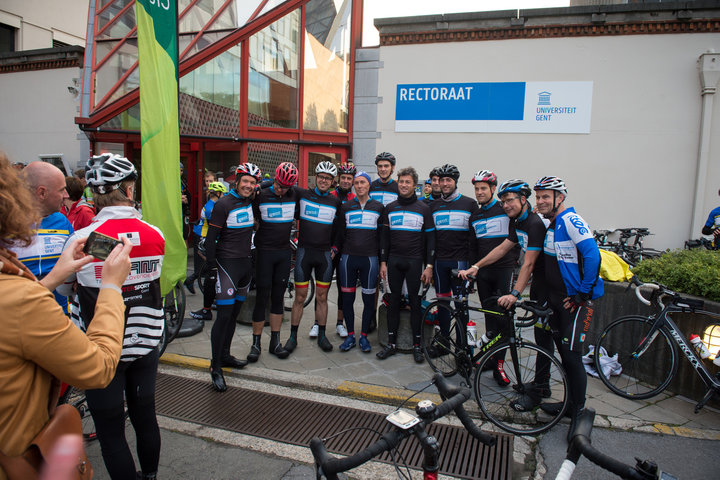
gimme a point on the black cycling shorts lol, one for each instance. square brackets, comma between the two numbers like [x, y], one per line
[233, 280]
[307, 260]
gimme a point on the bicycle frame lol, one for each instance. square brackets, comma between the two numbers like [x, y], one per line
[663, 321]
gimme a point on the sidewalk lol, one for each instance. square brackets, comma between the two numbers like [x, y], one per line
[362, 376]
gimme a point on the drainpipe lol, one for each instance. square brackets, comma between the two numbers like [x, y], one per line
[709, 66]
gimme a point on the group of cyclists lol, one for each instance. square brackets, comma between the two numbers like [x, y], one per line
[367, 230]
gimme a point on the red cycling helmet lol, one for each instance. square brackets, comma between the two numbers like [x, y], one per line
[286, 174]
[347, 168]
[249, 169]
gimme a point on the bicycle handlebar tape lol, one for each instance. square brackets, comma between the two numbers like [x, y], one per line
[460, 395]
[330, 465]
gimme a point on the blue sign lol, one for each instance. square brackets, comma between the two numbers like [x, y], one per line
[460, 101]
[511, 107]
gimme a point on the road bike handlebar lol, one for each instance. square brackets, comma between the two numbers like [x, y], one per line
[581, 445]
[456, 396]
[686, 304]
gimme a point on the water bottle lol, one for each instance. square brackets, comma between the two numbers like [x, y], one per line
[700, 347]
[471, 333]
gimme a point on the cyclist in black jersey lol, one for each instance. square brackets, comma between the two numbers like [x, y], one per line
[228, 245]
[318, 223]
[435, 191]
[274, 209]
[526, 229]
[407, 253]
[346, 174]
[454, 237]
[359, 242]
[491, 225]
[384, 189]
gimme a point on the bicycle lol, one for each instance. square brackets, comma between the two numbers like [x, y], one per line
[581, 445]
[289, 297]
[76, 397]
[405, 426]
[451, 354]
[647, 347]
[174, 308]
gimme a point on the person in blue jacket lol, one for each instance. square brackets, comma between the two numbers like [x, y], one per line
[47, 185]
[572, 268]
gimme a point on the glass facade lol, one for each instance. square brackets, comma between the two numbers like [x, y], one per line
[327, 65]
[273, 93]
[263, 81]
[210, 97]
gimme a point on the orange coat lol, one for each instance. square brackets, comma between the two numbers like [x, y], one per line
[36, 341]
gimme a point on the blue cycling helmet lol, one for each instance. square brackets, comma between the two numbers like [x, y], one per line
[515, 185]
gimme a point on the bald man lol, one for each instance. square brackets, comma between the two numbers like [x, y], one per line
[47, 185]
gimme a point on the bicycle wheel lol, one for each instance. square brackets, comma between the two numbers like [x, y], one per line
[520, 368]
[76, 397]
[289, 297]
[644, 374]
[174, 306]
[444, 354]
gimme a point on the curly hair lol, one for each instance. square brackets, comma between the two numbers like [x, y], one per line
[17, 212]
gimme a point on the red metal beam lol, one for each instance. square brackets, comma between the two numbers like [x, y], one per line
[115, 18]
[204, 28]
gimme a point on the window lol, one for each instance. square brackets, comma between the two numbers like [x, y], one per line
[7, 38]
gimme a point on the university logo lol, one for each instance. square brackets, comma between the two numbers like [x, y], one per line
[441, 220]
[242, 217]
[312, 211]
[544, 98]
[396, 220]
[355, 219]
[274, 212]
[480, 228]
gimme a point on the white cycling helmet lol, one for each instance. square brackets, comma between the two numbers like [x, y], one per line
[326, 167]
[105, 172]
[551, 183]
[249, 169]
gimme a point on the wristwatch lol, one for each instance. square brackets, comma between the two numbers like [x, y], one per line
[516, 294]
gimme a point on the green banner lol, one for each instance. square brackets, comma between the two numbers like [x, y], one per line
[159, 129]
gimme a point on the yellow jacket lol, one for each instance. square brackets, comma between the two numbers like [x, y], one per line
[36, 341]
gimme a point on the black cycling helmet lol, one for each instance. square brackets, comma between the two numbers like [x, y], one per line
[517, 186]
[385, 156]
[434, 172]
[347, 169]
[448, 170]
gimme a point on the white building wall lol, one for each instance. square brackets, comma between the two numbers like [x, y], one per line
[38, 116]
[40, 21]
[637, 166]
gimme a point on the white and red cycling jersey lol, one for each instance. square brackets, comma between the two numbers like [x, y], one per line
[144, 317]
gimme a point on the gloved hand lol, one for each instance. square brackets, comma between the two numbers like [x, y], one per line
[576, 301]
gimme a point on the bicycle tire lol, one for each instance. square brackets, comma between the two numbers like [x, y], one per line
[174, 309]
[445, 355]
[494, 401]
[644, 376]
[76, 397]
[289, 297]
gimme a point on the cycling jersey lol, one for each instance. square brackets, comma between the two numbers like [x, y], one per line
[429, 199]
[342, 195]
[358, 228]
[201, 228]
[47, 244]
[410, 230]
[275, 215]
[491, 225]
[454, 236]
[144, 316]
[384, 193]
[231, 228]
[569, 244]
[528, 231]
[318, 215]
